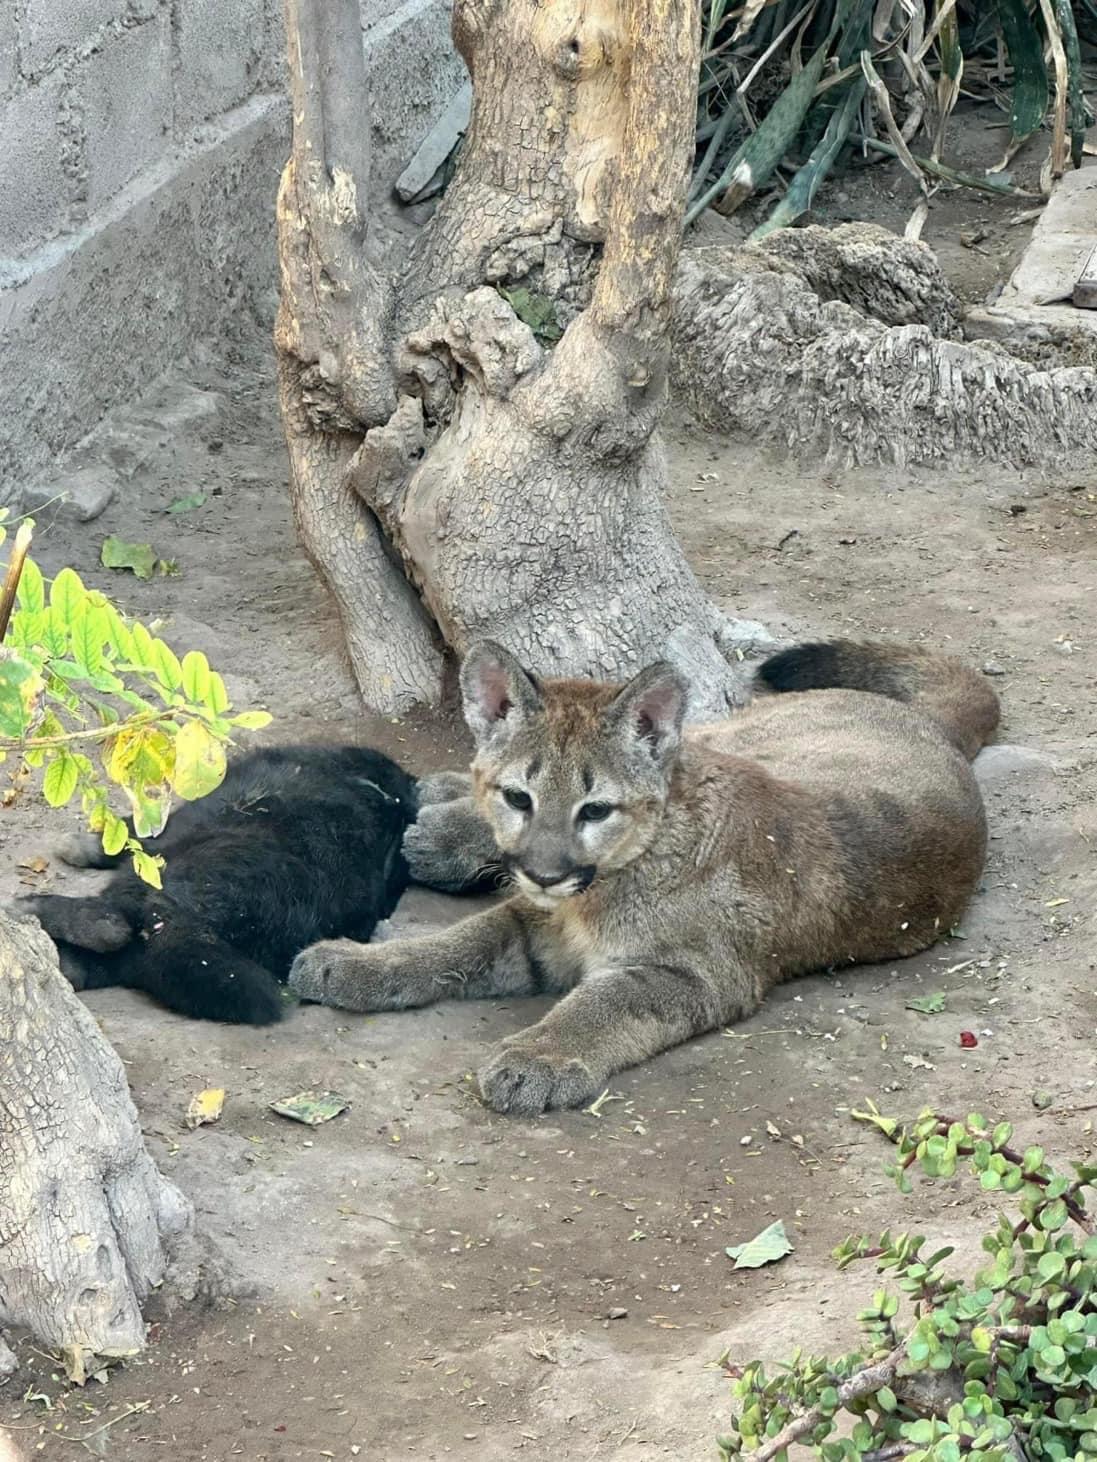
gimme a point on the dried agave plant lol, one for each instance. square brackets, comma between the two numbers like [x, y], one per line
[788, 86]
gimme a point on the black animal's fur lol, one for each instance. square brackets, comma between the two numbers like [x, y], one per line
[299, 843]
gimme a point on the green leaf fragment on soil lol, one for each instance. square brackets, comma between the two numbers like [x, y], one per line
[139, 558]
[765, 1248]
[311, 1107]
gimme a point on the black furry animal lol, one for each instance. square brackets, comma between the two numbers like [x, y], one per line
[299, 843]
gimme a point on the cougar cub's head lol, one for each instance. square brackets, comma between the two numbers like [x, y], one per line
[572, 775]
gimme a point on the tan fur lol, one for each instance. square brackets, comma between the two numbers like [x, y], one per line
[815, 829]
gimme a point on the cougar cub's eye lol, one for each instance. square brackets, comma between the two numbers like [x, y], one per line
[595, 811]
[516, 798]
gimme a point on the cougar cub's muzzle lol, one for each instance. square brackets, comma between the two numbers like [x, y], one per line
[546, 888]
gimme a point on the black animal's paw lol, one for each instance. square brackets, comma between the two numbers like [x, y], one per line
[525, 1081]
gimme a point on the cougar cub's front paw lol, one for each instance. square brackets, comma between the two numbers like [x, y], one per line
[524, 1081]
[335, 972]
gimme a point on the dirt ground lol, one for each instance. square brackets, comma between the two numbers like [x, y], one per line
[421, 1278]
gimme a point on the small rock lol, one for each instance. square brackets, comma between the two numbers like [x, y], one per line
[82, 495]
[993, 668]
[9, 1362]
[617, 1313]
[1003, 760]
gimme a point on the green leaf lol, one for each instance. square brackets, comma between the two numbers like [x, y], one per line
[765, 1248]
[32, 588]
[252, 720]
[60, 780]
[885, 1399]
[928, 1004]
[187, 504]
[1033, 1159]
[1053, 1216]
[1050, 1266]
[1025, 45]
[139, 558]
[199, 762]
[538, 311]
[67, 594]
[196, 674]
[147, 868]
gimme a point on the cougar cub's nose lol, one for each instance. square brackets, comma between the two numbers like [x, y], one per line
[545, 880]
[580, 877]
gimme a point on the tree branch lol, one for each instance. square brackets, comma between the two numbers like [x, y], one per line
[330, 95]
[863, 1383]
[633, 292]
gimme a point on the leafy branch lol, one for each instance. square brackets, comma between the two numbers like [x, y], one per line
[1001, 1365]
[76, 674]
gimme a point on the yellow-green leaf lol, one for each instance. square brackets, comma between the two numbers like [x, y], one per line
[147, 868]
[143, 655]
[60, 780]
[118, 635]
[67, 595]
[32, 588]
[196, 674]
[252, 720]
[165, 666]
[218, 697]
[20, 686]
[199, 762]
[55, 631]
[88, 636]
[115, 834]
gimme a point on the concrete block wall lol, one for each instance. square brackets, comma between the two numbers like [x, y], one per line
[140, 147]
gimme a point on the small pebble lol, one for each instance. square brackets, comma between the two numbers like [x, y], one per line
[617, 1313]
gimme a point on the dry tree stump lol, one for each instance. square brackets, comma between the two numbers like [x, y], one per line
[88, 1227]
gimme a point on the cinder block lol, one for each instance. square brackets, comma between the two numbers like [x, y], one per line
[219, 53]
[126, 89]
[34, 188]
[50, 26]
[375, 12]
[413, 74]
[8, 34]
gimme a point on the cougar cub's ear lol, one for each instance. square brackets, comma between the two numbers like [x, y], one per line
[651, 708]
[496, 690]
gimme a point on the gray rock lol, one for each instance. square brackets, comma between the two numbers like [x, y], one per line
[82, 494]
[9, 1362]
[1000, 761]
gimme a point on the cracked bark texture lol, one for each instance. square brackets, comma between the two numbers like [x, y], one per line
[88, 1227]
[452, 475]
[845, 345]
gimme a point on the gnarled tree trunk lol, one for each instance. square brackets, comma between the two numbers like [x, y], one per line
[87, 1225]
[454, 475]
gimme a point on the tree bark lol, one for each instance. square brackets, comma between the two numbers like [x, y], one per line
[455, 474]
[88, 1227]
[846, 345]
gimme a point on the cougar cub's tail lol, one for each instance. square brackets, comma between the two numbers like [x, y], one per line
[958, 699]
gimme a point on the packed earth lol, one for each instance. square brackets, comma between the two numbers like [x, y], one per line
[421, 1278]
